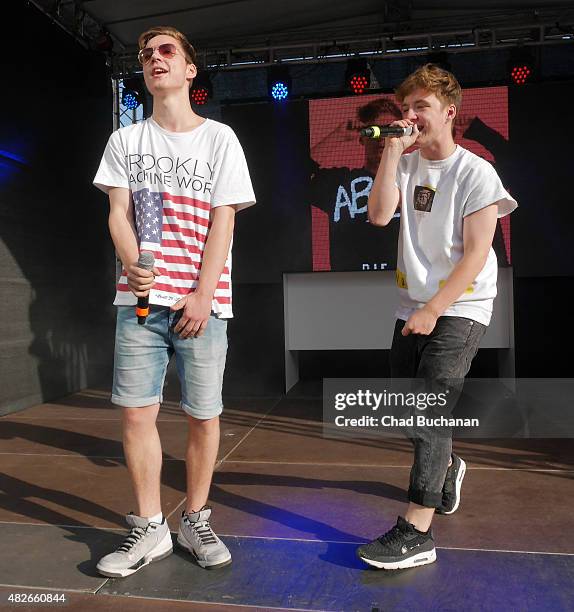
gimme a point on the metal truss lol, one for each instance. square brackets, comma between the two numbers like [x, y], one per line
[374, 47]
[72, 17]
[457, 33]
[123, 116]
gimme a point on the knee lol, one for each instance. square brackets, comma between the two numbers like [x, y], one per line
[138, 418]
[203, 425]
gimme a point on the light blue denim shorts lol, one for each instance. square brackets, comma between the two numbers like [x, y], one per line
[142, 354]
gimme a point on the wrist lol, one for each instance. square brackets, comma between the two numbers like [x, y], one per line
[393, 148]
[203, 293]
[432, 309]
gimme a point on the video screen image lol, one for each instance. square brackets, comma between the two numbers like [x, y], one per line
[344, 165]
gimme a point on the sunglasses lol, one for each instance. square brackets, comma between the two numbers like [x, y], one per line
[167, 51]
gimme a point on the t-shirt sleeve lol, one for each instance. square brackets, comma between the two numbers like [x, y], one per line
[113, 170]
[487, 189]
[232, 185]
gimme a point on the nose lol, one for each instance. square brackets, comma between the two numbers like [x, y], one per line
[410, 114]
[156, 54]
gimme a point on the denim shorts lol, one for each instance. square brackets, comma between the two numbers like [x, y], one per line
[142, 354]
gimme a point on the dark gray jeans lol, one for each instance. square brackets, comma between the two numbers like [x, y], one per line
[442, 359]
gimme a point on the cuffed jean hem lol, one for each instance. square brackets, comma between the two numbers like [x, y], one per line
[425, 498]
[136, 402]
[203, 414]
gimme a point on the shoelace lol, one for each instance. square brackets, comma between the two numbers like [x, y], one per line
[391, 537]
[134, 536]
[204, 531]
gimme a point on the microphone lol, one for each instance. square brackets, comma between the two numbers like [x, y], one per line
[382, 131]
[146, 261]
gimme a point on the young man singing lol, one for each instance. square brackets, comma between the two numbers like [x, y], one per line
[446, 272]
[175, 182]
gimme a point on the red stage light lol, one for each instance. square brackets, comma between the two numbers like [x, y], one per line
[358, 76]
[358, 83]
[199, 95]
[520, 74]
[521, 66]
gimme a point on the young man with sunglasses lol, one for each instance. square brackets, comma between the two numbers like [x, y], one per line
[450, 200]
[175, 182]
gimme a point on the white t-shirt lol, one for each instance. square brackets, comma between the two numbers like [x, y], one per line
[436, 195]
[175, 179]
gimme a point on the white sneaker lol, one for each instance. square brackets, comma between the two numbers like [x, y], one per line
[146, 542]
[198, 538]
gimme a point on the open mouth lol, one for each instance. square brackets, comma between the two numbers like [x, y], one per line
[158, 71]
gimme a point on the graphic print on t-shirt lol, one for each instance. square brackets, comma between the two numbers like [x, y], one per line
[423, 199]
[176, 180]
[174, 228]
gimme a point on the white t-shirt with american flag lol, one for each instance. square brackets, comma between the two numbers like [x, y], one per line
[175, 180]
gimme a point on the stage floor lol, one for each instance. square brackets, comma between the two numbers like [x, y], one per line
[292, 507]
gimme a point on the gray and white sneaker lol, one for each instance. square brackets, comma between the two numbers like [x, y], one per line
[198, 538]
[146, 542]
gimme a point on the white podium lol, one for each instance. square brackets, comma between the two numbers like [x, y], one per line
[355, 310]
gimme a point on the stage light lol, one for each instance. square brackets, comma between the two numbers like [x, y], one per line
[104, 41]
[358, 76]
[201, 90]
[278, 83]
[133, 93]
[520, 66]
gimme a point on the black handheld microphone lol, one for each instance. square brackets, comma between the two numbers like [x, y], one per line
[146, 261]
[382, 131]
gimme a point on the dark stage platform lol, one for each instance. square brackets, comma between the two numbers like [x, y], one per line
[292, 507]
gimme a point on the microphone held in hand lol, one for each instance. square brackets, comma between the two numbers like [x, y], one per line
[146, 261]
[384, 131]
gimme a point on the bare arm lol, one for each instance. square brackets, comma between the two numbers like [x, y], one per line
[124, 235]
[343, 133]
[385, 196]
[197, 305]
[478, 232]
[122, 225]
[216, 250]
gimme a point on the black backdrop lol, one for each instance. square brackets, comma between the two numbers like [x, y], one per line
[56, 257]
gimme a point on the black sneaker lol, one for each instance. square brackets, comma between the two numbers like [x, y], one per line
[401, 547]
[452, 485]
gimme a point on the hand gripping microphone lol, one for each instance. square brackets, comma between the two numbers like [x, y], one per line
[383, 131]
[146, 261]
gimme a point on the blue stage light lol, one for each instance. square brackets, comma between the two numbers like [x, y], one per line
[279, 91]
[130, 99]
[132, 93]
[278, 83]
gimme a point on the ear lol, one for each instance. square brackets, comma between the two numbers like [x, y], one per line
[451, 112]
[190, 72]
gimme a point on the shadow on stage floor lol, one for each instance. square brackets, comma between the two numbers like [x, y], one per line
[291, 504]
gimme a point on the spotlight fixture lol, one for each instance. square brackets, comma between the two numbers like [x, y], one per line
[278, 83]
[201, 90]
[358, 76]
[520, 66]
[104, 41]
[133, 93]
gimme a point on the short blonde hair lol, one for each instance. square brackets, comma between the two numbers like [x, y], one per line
[433, 78]
[189, 51]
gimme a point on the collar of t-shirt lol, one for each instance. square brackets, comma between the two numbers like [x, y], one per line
[439, 164]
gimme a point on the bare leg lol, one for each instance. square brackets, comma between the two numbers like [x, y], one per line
[202, 447]
[142, 449]
[419, 516]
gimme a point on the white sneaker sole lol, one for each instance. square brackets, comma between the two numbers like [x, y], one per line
[423, 558]
[201, 562]
[458, 486]
[162, 550]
